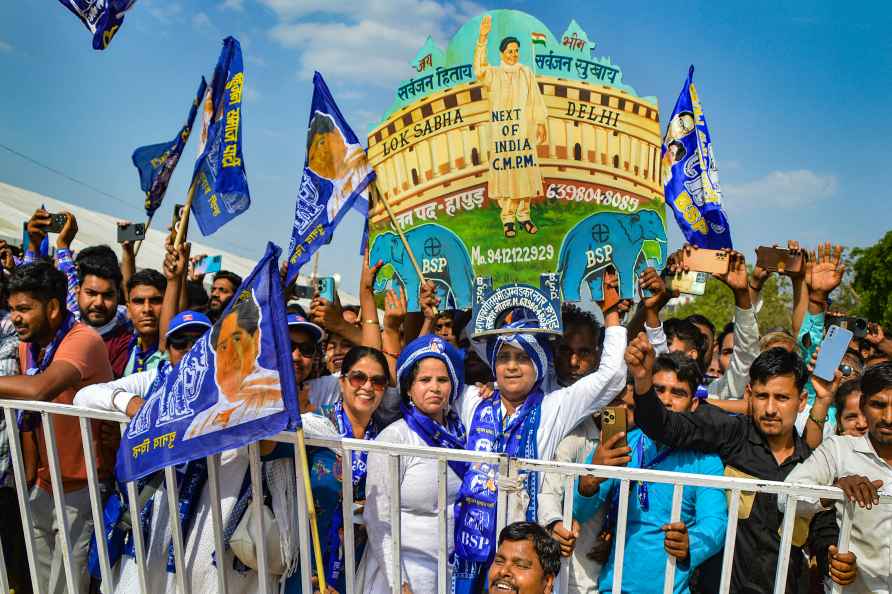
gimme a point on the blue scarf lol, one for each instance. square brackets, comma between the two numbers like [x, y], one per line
[644, 444]
[37, 364]
[436, 435]
[141, 357]
[334, 554]
[475, 518]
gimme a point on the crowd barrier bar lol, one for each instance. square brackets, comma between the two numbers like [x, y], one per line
[506, 466]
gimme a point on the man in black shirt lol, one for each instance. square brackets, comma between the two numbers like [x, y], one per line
[762, 445]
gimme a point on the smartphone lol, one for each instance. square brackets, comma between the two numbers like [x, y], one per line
[57, 223]
[209, 264]
[613, 421]
[325, 286]
[302, 292]
[691, 282]
[858, 326]
[177, 215]
[131, 232]
[702, 260]
[773, 259]
[833, 348]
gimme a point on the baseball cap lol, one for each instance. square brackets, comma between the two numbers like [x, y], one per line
[187, 319]
[298, 321]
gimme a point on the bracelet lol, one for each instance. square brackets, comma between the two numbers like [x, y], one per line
[817, 422]
[388, 353]
[375, 322]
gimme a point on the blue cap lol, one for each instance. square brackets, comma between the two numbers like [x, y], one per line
[186, 319]
[298, 321]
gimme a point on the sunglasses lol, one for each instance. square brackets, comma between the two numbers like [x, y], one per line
[182, 342]
[306, 349]
[358, 379]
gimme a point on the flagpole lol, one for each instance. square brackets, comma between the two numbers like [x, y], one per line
[139, 243]
[184, 218]
[311, 508]
[399, 230]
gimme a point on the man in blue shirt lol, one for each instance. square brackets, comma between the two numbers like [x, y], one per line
[650, 536]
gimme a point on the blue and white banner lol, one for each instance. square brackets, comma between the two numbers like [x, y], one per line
[102, 17]
[234, 387]
[219, 182]
[690, 174]
[336, 177]
[156, 162]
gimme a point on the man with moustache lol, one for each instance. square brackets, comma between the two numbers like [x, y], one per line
[145, 291]
[862, 468]
[526, 562]
[223, 288]
[763, 444]
[58, 356]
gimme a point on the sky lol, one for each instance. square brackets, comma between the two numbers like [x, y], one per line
[797, 97]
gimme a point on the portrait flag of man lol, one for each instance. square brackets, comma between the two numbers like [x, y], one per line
[219, 190]
[102, 17]
[234, 387]
[690, 173]
[335, 178]
[156, 162]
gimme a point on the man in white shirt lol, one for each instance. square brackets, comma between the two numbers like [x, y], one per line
[862, 468]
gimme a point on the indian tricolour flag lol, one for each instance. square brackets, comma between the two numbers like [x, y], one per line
[537, 38]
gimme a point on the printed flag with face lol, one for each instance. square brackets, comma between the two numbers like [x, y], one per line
[156, 162]
[102, 17]
[335, 178]
[234, 387]
[219, 182]
[690, 174]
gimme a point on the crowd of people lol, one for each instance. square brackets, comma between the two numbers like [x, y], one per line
[741, 401]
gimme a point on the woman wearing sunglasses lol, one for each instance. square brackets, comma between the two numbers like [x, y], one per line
[429, 371]
[363, 381]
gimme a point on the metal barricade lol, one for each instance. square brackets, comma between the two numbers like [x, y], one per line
[346, 447]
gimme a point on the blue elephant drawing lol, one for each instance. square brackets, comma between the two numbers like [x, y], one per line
[608, 238]
[442, 257]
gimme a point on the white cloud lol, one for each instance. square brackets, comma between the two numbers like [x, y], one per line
[202, 22]
[5, 47]
[373, 46]
[794, 188]
[164, 12]
[237, 5]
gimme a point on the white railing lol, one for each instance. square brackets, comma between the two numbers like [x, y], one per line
[345, 447]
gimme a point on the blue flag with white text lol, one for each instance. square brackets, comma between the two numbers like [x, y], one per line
[219, 182]
[335, 179]
[102, 17]
[235, 386]
[690, 174]
[156, 162]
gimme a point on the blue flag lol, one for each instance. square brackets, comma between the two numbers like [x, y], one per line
[102, 17]
[335, 179]
[690, 174]
[219, 182]
[156, 162]
[235, 386]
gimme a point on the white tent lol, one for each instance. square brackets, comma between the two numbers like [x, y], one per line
[94, 228]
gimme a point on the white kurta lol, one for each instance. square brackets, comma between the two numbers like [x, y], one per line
[418, 517]
[562, 409]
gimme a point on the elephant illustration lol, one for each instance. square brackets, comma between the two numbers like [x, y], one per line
[604, 239]
[440, 254]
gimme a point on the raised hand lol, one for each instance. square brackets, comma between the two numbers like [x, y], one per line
[651, 280]
[485, 26]
[68, 232]
[429, 300]
[640, 357]
[367, 276]
[36, 229]
[824, 271]
[394, 309]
